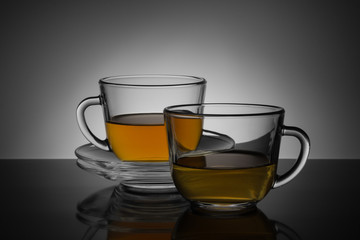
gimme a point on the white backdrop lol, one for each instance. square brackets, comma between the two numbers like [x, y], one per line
[303, 56]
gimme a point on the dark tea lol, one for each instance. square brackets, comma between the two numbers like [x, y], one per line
[224, 177]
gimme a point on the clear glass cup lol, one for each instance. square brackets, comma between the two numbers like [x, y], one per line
[133, 117]
[224, 156]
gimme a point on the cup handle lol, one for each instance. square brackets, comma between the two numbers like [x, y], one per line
[80, 116]
[303, 156]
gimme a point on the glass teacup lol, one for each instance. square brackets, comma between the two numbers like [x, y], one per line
[235, 176]
[135, 131]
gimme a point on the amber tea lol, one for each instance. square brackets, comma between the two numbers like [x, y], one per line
[138, 137]
[142, 137]
[224, 177]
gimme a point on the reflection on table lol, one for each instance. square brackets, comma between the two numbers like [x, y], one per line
[127, 215]
[39, 199]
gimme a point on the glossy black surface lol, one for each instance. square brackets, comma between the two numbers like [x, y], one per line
[54, 199]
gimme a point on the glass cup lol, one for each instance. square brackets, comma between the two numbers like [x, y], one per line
[224, 156]
[133, 114]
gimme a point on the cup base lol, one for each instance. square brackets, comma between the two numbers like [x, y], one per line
[148, 187]
[223, 208]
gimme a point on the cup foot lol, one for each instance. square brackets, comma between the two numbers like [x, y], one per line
[148, 187]
[223, 208]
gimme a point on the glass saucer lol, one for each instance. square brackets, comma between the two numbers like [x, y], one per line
[143, 176]
[135, 176]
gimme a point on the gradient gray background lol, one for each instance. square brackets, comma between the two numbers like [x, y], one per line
[301, 55]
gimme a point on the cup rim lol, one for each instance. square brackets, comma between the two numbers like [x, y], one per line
[160, 80]
[262, 110]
